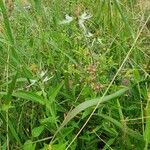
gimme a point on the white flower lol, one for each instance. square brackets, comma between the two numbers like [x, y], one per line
[32, 83]
[85, 16]
[67, 19]
[46, 79]
[81, 21]
[43, 74]
[88, 34]
[40, 78]
[28, 7]
[81, 24]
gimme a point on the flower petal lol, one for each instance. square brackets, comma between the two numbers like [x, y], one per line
[43, 73]
[85, 16]
[67, 19]
[47, 78]
[89, 34]
[32, 83]
[81, 24]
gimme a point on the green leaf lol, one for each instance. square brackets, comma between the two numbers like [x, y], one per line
[136, 75]
[30, 96]
[5, 107]
[37, 131]
[9, 34]
[11, 129]
[59, 147]
[56, 48]
[55, 91]
[28, 145]
[129, 131]
[48, 120]
[4, 146]
[124, 18]
[108, 143]
[90, 103]
[6, 22]
[10, 89]
[147, 126]
[50, 103]
[54, 147]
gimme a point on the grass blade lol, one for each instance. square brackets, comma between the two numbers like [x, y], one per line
[6, 22]
[123, 17]
[11, 88]
[12, 129]
[129, 131]
[147, 128]
[29, 96]
[9, 34]
[90, 103]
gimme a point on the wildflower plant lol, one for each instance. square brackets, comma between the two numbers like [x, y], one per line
[81, 22]
[42, 78]
[92, 89]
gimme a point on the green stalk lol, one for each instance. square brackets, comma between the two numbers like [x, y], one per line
[147, 128]
[90, 103]
[9, 33]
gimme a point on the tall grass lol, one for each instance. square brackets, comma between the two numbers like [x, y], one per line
[79, 85]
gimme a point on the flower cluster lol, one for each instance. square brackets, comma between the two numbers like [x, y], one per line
[81, 22]
[92, 71]
[42, 77]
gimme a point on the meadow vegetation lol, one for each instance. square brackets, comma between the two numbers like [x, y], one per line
[75, 75]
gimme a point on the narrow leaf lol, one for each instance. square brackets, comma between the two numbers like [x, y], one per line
[91, 103]
[129, 131]
[11, 129]
[10, 89]
[147, 127]
[29, 96]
